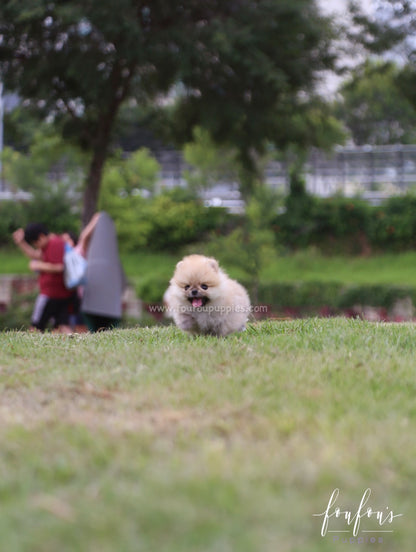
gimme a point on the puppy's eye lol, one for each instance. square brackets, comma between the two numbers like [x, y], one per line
[204, 286]
[187, 287]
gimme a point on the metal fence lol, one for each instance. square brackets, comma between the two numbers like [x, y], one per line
[371, 172]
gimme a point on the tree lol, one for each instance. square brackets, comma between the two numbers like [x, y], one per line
[52, 172]
[208, 163]
[391, 32]
[373, 106]
[126, 178]
[389, 27]
[246, 67]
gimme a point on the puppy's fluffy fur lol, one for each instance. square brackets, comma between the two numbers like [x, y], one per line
[202, 299]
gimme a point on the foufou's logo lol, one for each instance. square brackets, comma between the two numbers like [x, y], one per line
[335, 519]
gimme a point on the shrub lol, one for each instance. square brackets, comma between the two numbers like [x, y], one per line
[18, 315]
[375, 296]
[340, 218]
[299, 294]
[331, 224]
[348, 225]
[54, 211]
[394, 224]
[295, 226]
[151, 289]
[12, 216]
[163, 223]
[308, 296]
[336, 296]
[177, 223]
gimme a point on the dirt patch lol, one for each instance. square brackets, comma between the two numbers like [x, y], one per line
[87, 405]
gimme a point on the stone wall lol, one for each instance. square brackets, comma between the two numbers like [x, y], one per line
[12, 285]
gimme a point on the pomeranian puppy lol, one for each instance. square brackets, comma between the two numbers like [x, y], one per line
[202, 299]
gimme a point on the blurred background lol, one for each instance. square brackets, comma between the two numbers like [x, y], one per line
[277, 136]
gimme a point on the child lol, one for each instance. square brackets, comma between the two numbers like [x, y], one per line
[46, 252]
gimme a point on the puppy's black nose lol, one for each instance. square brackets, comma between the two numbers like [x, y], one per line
[194, 292]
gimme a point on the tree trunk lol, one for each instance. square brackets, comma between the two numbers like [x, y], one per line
[100, 144]
[93, 184]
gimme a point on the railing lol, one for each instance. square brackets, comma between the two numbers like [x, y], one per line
[388, 170]
[372, 172]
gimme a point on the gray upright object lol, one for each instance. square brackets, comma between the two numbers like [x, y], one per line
[105, 280]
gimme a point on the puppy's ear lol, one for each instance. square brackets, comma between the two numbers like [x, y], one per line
[179, 264]
[213, 263]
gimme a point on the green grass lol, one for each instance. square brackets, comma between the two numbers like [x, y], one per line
[398, 269]
[153, 440]
[143, 264]
[13, 262]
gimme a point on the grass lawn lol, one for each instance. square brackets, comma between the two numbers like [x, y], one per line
[12, 261]
[309, 265]
[398, 269]
[152, 440]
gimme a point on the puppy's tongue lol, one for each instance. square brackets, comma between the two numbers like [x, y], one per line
[197, 302]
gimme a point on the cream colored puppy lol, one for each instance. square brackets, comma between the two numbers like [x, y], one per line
[202, 299]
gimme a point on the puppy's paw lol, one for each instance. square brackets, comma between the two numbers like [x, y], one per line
[186, 322]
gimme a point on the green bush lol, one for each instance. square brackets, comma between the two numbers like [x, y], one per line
[336, 296]
[296, 225]
[332, 224]
[375, 296]
[394, 224]
[18, 315]
[151, 289]
[308, 296]
[164, 222]
[12, 216]
[348, 225]
[54, 212]
[50, 207]
[299, 294]
[340, 218]
[177, 223]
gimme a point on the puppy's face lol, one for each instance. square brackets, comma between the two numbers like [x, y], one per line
[198, 279]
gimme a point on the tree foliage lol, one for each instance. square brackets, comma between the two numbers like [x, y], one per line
[374, 108]
[389, 27]
[135, 175]
[391, 31]
[52, 172]
[246, 67]
[208, 163]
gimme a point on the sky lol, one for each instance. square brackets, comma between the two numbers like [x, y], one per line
[338, 8]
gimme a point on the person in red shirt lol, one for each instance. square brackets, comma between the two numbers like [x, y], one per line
[46, 252]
